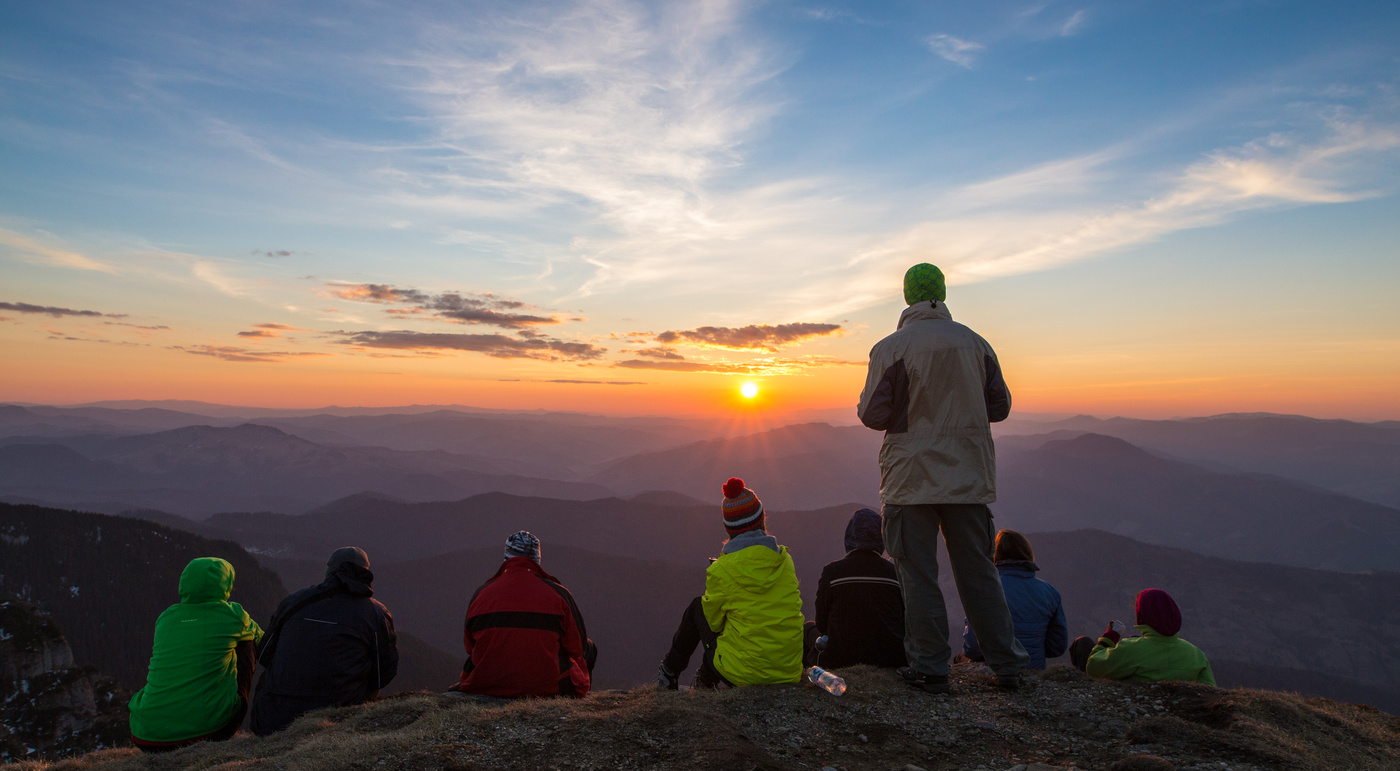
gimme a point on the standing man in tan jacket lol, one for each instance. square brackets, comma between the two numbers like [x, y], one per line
[935, 387]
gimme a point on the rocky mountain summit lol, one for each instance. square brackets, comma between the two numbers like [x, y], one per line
[1059, 721]
[48, 706]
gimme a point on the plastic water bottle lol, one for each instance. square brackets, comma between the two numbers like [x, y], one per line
[833, 684]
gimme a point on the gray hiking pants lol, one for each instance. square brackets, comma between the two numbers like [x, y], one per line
[911, 538]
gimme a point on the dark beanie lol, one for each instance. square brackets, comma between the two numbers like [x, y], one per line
[863, 531]
[1011, 546]
[743, 511]
[1157, 609]
[351, 554]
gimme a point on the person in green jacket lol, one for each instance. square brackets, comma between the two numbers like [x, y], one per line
[1156, 656]
[201, 664]
[750, 617]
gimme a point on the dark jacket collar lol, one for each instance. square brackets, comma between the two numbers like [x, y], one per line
[1018, 567]
[352, 579]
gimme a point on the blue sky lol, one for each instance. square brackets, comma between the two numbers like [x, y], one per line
[1172, 173]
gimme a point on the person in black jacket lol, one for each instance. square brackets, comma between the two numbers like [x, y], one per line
[860, 610]
[328, 645]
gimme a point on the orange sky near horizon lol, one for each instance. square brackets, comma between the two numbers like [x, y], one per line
[73, 372]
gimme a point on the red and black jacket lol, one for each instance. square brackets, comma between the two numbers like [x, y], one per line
[524, 636]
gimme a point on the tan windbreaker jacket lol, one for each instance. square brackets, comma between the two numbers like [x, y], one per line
[934, 387]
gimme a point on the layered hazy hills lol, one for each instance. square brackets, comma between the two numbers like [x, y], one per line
[1088, 481]
[800, 467]
[1105, 483]
[198, 470]
[1361, 460]
[106, 579]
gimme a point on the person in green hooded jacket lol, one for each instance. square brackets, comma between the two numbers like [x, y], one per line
[1158, 655]
[201, 664]
[750, 617]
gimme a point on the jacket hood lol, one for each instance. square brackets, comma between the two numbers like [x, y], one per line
[925, 311]
[356, 580]
[1018, 567]
[750, 538]
[1148, 631]
[757, 569]
[206, 579]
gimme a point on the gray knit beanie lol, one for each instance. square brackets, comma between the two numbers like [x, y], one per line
[523, 544]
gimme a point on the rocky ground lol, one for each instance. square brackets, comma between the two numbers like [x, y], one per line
[1059, 721]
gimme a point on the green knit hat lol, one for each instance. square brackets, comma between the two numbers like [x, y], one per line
[924, 282]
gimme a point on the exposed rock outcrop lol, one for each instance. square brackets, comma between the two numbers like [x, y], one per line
[48, 706]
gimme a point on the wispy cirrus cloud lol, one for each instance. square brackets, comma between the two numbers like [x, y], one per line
[1003, 231]
[754, 337]
[956, 50]
[32, 250]
[484, 308]
[495, 346]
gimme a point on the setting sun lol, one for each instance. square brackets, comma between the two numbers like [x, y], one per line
[749, 390]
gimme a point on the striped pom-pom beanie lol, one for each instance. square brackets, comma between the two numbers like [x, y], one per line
[743, 511]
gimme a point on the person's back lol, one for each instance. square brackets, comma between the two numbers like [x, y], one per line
[1158, 655]
[859, 607]
[935, 387]
[752, 600]
[524, 634]
[328, 645]
[749, 620]
[201, 663]
[1036, 608]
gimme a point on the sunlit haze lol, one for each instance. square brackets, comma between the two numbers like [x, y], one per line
[1147, 209]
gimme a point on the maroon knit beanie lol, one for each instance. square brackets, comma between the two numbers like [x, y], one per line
[743, 511]
[1157, 609]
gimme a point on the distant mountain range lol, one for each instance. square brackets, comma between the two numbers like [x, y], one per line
[1361, 460]
[1094, 481]
[199, 470]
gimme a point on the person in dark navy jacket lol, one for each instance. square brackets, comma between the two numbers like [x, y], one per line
[1035, 605]
[524, 633]
[328, 645]
[860, 609]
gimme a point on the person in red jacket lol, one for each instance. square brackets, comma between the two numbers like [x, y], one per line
[524, 634]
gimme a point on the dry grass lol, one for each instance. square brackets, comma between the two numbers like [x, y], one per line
[1064, 720]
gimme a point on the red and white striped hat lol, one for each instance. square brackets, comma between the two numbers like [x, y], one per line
[743, 511]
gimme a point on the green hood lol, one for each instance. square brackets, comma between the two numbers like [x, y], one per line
[206, 579]
[757, 568]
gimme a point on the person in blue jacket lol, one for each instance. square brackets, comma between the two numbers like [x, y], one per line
[1035, 605]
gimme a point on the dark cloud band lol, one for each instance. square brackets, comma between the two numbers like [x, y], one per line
[754, 337]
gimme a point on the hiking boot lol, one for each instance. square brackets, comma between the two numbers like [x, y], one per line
[667, 680]
[937, 684]
[1009, 682]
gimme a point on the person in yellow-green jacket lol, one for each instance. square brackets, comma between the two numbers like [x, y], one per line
[750, 617]
[1156, 656]
[201, 664]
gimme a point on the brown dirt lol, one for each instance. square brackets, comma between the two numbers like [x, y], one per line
[1062, 720]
